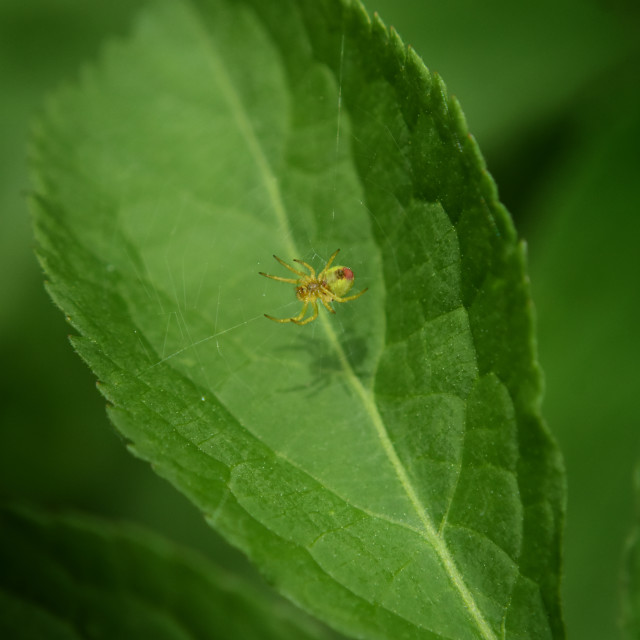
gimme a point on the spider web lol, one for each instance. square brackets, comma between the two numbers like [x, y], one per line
[288, 187]
[211, 306]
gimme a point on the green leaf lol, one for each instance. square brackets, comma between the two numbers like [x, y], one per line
[386, 467]
[77, 577]
[538, 57]
[631, 573]
[583, 287]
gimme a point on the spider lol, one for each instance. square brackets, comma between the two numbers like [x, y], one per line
[330, 285]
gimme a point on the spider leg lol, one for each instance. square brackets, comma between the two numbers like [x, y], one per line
[311, 269]
[311, 318]
[295, 319]
[326, 306]
[284, 264]
[337, 299]
[291, 280]
[326, 266]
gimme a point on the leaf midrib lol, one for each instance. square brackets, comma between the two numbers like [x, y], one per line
[430, 533]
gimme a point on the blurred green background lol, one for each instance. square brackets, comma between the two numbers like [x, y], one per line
[551, 91]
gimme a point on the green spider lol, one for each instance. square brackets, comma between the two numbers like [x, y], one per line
[330, 285]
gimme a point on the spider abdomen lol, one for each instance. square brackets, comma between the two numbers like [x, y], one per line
[339, 280]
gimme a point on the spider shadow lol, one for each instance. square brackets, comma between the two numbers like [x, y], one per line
[324, 364]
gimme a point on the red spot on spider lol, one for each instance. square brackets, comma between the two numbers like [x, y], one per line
[347, 273]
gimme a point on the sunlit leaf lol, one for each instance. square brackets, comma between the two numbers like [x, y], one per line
[385, 467]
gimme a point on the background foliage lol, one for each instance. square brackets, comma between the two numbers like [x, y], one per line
[549, 93]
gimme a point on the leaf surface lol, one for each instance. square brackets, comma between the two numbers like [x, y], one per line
[630, 594]
[76, 577]
[386, 467]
